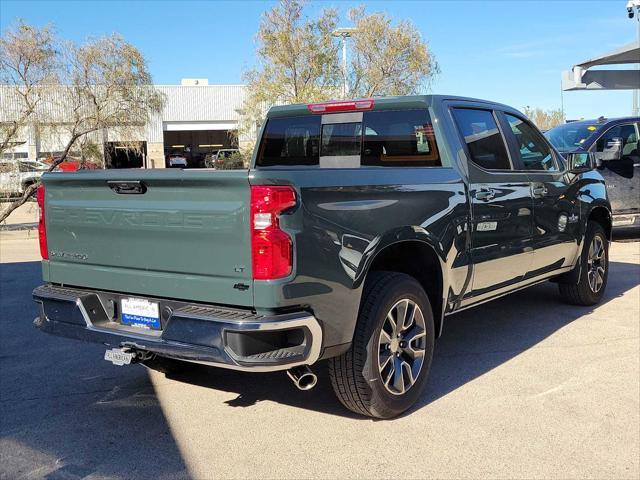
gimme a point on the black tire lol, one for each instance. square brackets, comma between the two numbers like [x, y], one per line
[582, 293]
[356, 376]
[165, 365]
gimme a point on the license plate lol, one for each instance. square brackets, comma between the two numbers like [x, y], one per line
[139, 312]
[118, 357]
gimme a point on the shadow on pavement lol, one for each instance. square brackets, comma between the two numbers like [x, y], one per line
[474, 342]
[66, 410]
[479, 340]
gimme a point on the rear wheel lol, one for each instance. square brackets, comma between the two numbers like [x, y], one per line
[594, 269]
[384, 372]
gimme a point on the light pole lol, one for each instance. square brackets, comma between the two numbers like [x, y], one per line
[631, 4]
[345, 33]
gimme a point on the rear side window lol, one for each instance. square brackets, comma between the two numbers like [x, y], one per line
[389, 138]
[399, 138]
[484, 141]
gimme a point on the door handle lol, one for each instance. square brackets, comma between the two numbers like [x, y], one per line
[540, 191]
[485, 194]
[134, 187]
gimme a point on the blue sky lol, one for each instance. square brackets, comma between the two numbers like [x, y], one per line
[509, 51]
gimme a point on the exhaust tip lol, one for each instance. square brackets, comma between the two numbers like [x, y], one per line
[307, 381]
[302, 377]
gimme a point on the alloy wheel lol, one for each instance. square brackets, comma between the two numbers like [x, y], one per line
[401, 346]
[596, 264]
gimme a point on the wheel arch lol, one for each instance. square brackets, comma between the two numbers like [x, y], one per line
[419, 258]
[602, 215]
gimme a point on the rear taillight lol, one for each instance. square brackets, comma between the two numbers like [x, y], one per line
[42, 231]
[344, 106]
[271, 250]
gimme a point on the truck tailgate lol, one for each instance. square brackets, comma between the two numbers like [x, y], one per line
[186, 237]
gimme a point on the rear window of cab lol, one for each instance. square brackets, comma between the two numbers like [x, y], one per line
[387, 138]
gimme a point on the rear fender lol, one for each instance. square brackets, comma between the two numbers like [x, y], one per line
[402, 234]
[411, 236]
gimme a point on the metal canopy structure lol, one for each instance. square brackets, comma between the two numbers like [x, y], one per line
[581, 77]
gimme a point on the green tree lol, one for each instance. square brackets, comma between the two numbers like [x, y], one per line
[28, 66]
[388, 59]
[299, 61]
[103, 84]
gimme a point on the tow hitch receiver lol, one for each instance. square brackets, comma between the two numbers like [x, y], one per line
[118, 356]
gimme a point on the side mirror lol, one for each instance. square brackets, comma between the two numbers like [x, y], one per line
[612, 151]
[580, 162]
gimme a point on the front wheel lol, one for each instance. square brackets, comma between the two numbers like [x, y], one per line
[385, 370]
[594, 269]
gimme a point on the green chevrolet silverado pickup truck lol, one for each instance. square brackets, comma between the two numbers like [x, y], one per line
[358, 228]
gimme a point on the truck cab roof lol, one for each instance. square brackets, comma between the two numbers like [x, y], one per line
[379, 103]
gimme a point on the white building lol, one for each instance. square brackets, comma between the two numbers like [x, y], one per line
[197, 119]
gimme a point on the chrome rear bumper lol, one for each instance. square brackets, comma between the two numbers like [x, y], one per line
[206, 334]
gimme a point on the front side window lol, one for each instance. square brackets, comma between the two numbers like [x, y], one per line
[629, 155]
[535, 153]
[628, 135]
[482, 136]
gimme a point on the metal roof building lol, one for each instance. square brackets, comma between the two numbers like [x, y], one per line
[197, 119]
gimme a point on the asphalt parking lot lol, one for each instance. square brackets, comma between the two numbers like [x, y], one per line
[523, 387]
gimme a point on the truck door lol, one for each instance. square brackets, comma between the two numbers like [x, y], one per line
[556, 218]
[622, 176]
[501, 206]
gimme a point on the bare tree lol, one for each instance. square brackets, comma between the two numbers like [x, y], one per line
[544, 119]
[28, 64]
[105, 85]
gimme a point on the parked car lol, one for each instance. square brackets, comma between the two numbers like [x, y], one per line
[177, 160]
[16, 176]
[225, 159]
[71, 165]
[359, 228]
[614, 143]
[209, 159]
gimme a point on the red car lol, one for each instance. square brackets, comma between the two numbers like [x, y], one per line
[71, 165]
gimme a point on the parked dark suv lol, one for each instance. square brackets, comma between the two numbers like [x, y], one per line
[614, 144]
